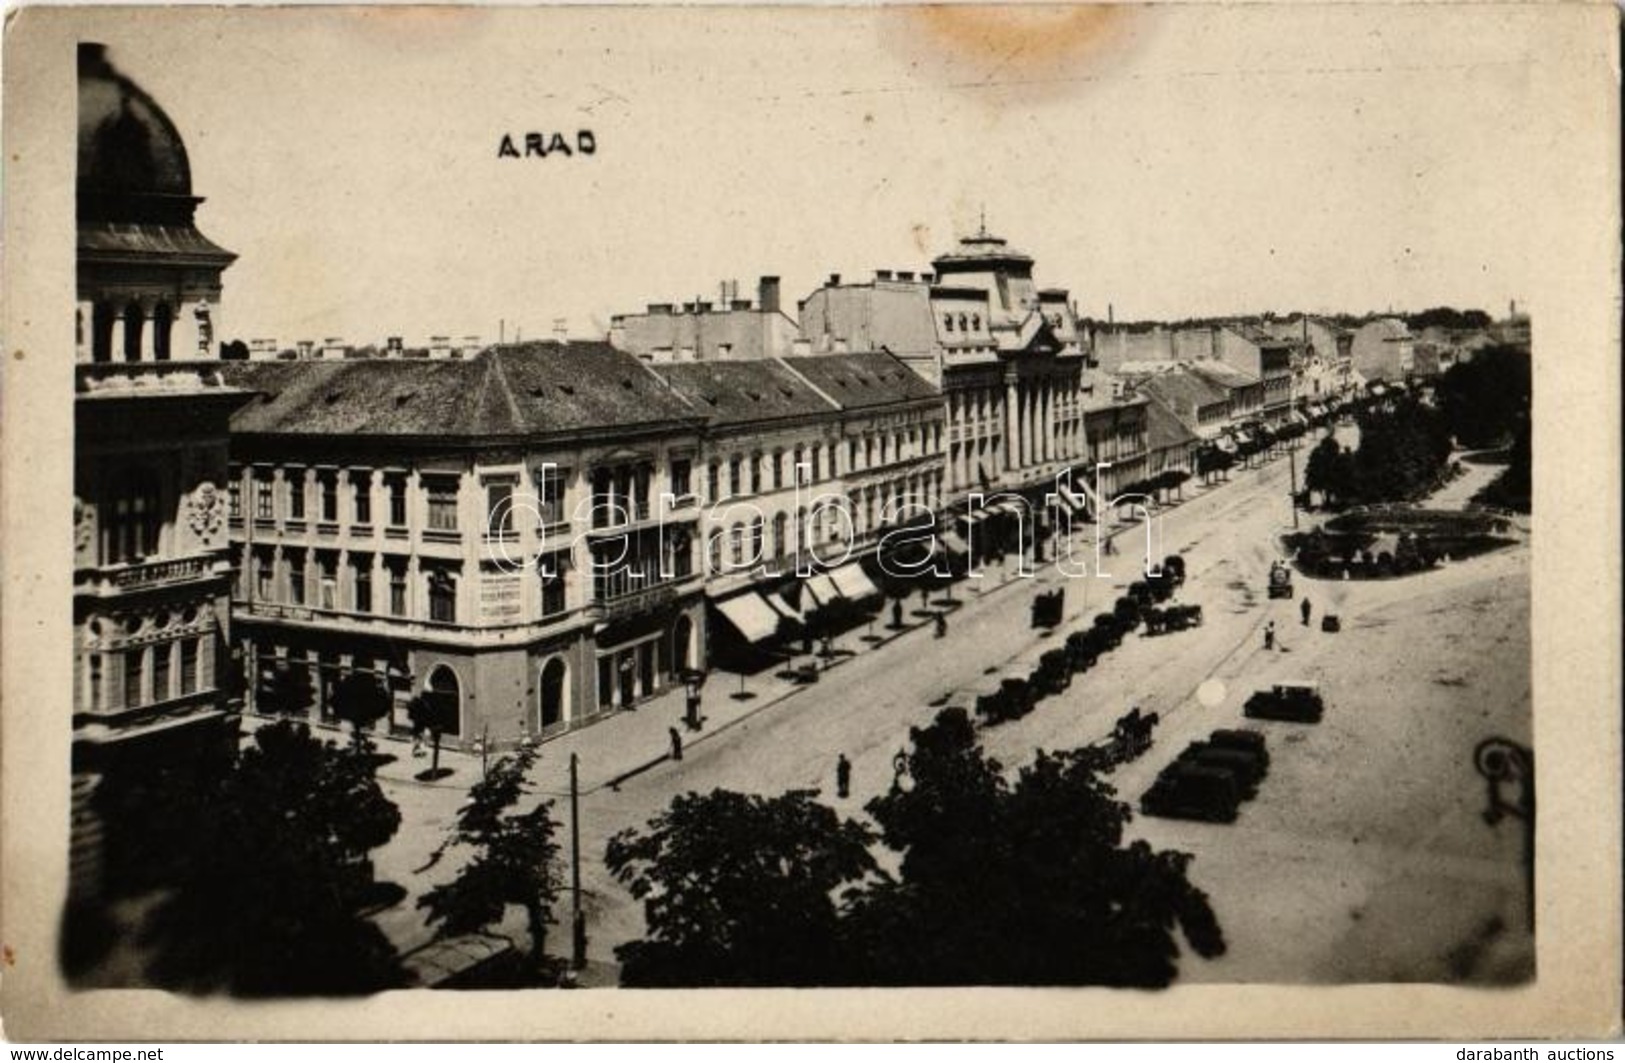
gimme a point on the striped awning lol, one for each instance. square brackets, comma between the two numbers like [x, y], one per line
[751, 616]
[853, 582]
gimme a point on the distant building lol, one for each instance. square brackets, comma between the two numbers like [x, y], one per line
[1382, 350]
[1201, 405]
[1244, 391]
[732, 329]
[1007, 355]
[150, 582]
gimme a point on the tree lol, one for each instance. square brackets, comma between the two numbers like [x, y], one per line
[436, 713]
[1327, 471]
[360, 700]
[515, 860]
[1024, 883]
[738, 890]
[268, 901]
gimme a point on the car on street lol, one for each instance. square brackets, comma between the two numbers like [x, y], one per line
[1297, 701]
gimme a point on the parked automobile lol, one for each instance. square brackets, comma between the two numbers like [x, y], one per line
[1185, 790]
[1297, 701]
[1245, 766]
[1241, 738]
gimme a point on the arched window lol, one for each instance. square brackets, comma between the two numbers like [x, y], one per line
[551, 693]
[755, 555]
[101, 333]
[948, 322]
[132, 332]
[446, 695]
[801, 529]
[716, 553]
[162, 319]
[736, 536]
[961, 322]
[975, 322]
[130, 518]
[780, 544]
[443, 597]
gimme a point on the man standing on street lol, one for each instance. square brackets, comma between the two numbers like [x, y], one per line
[692, 716]
[843, 776]
[1269, 635]
[676, 743]
[1305, 609]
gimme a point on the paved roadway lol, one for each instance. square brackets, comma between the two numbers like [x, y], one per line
[1363, 856]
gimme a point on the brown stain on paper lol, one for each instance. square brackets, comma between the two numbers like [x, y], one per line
[1026, 49]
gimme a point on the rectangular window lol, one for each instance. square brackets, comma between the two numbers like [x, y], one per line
[264, 500]
[328, 566]
[160, 671]
[362, 566]
[442, 504]
[397, 589]
[681, 474]
[330, 497]
[361, 484]
[499, 509]
[296, 578]
[234, 493]
[189, 666]
[93, 677]
[814, 456]
[295, 479]
[550, 495]
[755, 474]
[733, 476]
[132, 678]
[552, 569]
[264, 578]
[778, 469]
[711, 485]
[397, 501]
[442, 598]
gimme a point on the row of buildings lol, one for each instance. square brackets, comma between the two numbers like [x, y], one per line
[539, 533]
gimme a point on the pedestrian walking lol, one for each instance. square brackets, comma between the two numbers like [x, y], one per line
[1305, 609]
[1269, 635]
[942, 625]
[843, 776]
[691, 715]
[897, 613]
[676, 743]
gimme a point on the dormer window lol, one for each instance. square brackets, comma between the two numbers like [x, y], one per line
[948, 322]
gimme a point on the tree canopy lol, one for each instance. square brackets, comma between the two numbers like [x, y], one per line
[515, 859]
[268, 902]
[998, 881]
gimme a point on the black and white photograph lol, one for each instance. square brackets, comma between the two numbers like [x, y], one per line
[894, 498]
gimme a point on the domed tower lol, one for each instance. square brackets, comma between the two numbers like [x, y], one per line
[151, 515]
[148, 280]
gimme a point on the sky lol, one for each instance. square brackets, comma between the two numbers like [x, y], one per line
[1166, 163]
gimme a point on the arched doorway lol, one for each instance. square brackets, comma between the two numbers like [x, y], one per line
[448, 692]
[551, 693]
[682, 643]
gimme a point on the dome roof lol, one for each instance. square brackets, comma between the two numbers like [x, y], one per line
[983, 250]
[127, 144]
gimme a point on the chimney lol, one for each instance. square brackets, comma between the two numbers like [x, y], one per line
[439, 346]
[905, 275]
[882, 274]
[927, 278]
[739, 304]
[659, 308]
[1108, 315]
[702, 307]
[392, 346]
[767, 295]
[561, 330]
[834, 280]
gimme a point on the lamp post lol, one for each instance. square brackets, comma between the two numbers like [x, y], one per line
[578, 920]
[1504, 763]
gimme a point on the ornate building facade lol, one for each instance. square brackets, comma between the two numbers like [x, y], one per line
[150, 602]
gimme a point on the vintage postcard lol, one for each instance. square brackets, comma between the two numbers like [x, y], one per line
[952, 522]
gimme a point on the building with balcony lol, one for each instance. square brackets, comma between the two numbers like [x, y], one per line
[1007, 356]
[150, 588]
[807, 463]
[517, 532]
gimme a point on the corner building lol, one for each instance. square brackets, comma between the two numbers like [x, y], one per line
[516, 530]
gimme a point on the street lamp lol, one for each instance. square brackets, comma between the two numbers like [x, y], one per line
[1504, 763]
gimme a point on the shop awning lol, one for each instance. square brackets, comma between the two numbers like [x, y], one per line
[782, 607]
[753, 617]
[974, 517]
[854, 583]
[1226, 444]
[822, 588]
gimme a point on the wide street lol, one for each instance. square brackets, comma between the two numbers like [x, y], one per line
[1364, 856]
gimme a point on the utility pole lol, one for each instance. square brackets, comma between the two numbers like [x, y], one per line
[1292, 467]
[578, 921]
